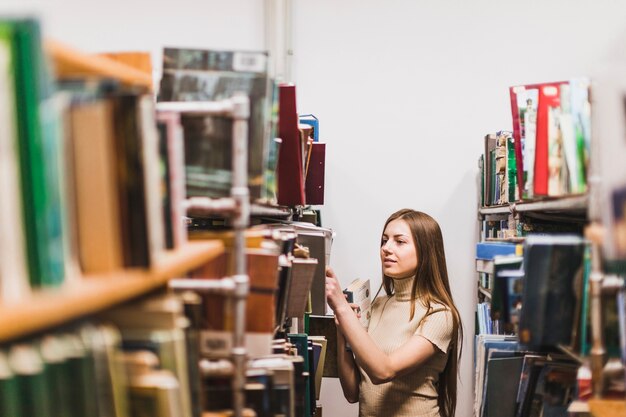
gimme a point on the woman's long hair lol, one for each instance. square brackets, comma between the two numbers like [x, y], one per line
[431, 286]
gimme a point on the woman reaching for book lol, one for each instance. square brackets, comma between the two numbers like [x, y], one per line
[405, 363]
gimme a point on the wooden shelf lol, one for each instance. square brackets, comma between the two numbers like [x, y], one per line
[570, 205]
[71, 63]
[607, 408]
[94, 293]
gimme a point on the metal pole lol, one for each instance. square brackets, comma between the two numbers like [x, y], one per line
[240, 193]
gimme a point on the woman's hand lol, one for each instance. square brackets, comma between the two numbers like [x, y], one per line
[334, 295]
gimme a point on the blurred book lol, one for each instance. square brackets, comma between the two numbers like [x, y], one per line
[552, 290]
[210, 75]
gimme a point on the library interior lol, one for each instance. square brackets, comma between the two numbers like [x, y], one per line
[197, 221]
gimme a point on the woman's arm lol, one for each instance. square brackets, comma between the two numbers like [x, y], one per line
[379, 366]
[348, 372]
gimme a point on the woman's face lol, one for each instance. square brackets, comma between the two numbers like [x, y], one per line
[397, 250]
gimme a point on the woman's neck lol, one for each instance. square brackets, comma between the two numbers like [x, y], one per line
[402, 288]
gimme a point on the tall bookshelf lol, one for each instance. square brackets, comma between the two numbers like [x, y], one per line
[509, 266]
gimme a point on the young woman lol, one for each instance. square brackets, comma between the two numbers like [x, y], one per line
[405, 363]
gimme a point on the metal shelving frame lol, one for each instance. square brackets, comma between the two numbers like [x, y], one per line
[237, 207]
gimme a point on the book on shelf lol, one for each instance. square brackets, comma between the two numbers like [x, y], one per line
[211, 75]
[324, 326]
[290, 157]
[157, 325]
[552, 131]
[312, 121]
[171, 150]
[488, 250]
[37, 134]
[315, 175]
[97, 190]
[14, 278]
[302, 274]
[506, 294]
[552, 290]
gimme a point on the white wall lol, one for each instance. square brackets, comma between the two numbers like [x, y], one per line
[405, 91]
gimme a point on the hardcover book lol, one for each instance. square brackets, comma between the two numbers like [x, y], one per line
[552, 293]
[358, 292]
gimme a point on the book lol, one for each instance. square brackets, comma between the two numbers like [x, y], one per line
[290, 173]
[358, 292]
[97, 188]
[38, 141]
[158, 325]
[324, 326]
[312, 121]
[552, 290]
[302, 274]
[506, 298]
[212, 75]
[321, 362]
[314, 182]
[484, 344]
[525, 101]
[14, 278]
[502, 380]
[488, 250]
[619, 222]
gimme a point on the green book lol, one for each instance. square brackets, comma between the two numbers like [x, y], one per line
[39, 175]
[32, 385]
[9, 394]
[80, 367]
[511, 169]
[53, 352]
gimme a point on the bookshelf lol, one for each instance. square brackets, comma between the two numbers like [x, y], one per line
[607, 408]
[71, 63]
[94, 293]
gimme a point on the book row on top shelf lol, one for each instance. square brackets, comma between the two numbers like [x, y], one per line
[108, 198]
[551, 305]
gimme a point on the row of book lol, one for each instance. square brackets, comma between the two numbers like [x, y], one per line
[547, 152]
[540, 294]
[515, 228]
[144, 359]
[83, 189]
[542, 299]
[513, 381]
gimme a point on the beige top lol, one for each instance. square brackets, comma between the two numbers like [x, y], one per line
[414, 394]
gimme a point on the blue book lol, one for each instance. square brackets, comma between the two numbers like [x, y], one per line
[311, 120]
[487, 250]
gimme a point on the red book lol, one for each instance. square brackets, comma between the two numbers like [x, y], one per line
[289, 170]
[518, 128]
[549, 98]
[314, 185]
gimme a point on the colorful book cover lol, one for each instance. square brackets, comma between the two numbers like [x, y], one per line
[547, 133]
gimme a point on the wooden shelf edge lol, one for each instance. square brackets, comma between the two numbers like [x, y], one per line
[95, 293]
[69, 62]
[568, 203]
[607, 408]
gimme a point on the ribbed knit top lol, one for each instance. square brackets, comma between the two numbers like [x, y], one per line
[414, 394]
